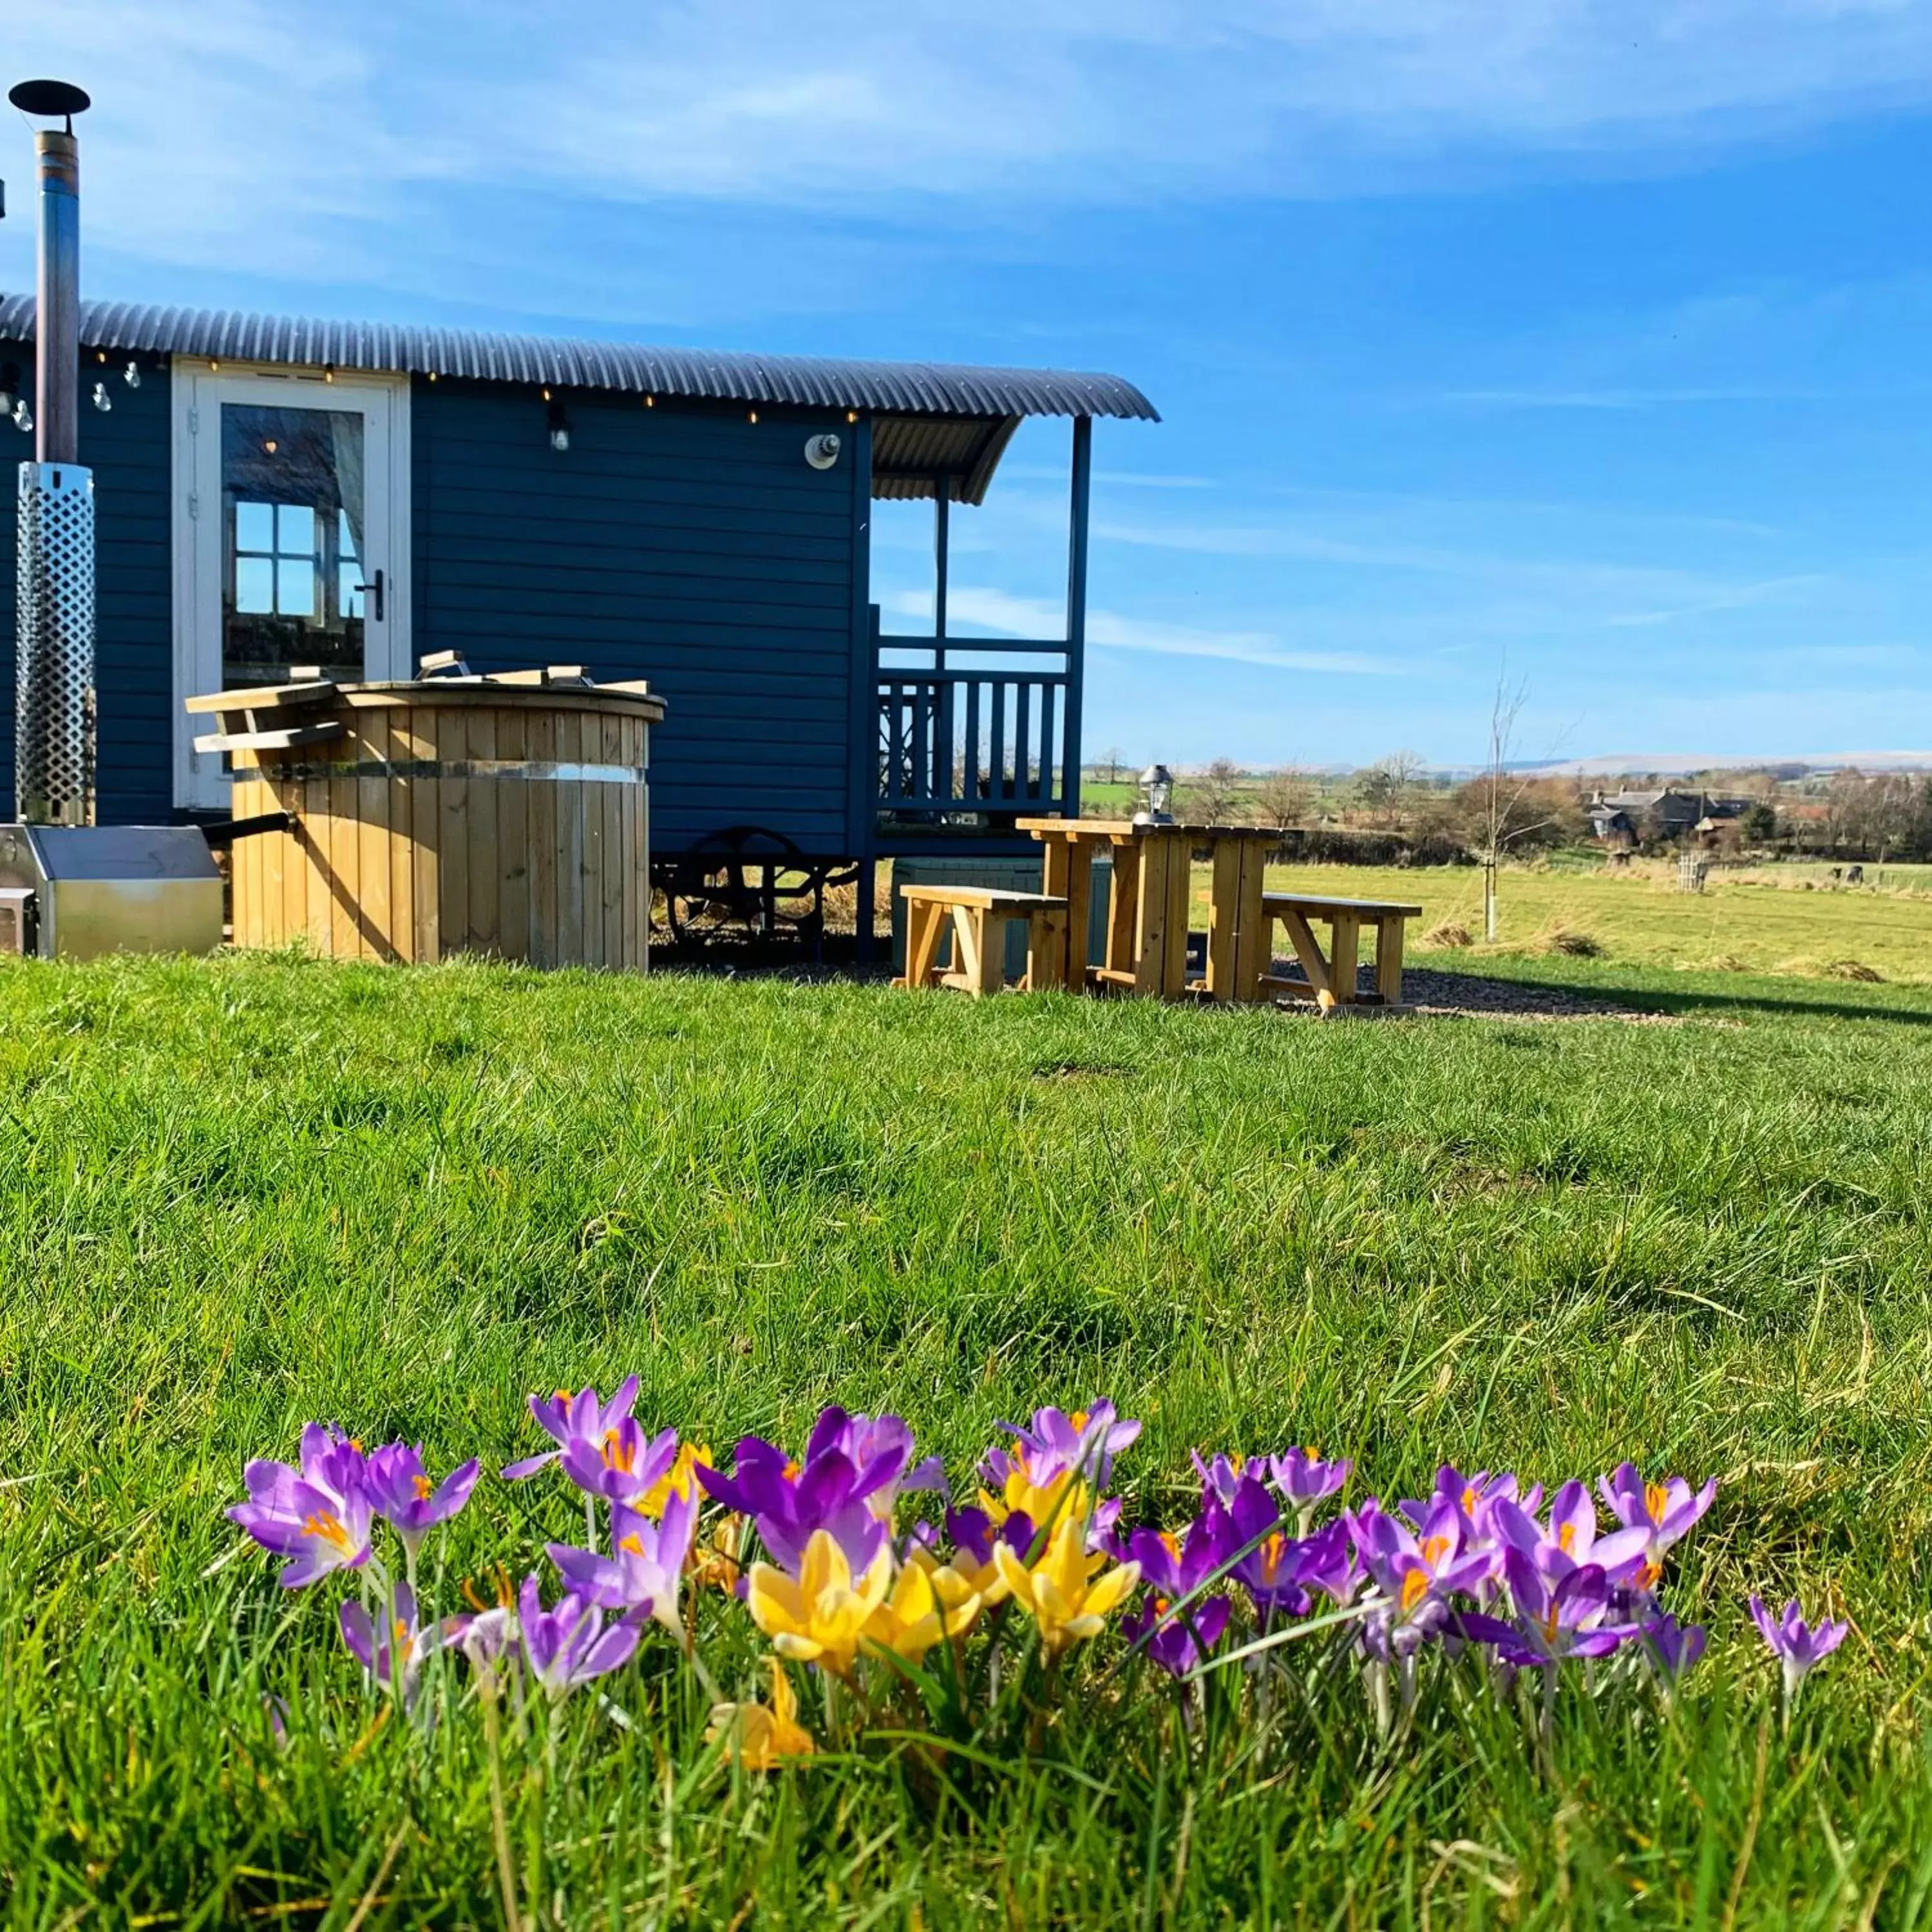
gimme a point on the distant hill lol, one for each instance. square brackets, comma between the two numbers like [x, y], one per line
[1670, 764]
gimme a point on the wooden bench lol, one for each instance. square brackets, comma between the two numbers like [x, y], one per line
[1333, 973]
[978, 915]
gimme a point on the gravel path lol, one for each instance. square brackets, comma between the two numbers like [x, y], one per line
[1438, 995]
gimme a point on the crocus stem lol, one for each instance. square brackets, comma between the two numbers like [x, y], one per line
[589, 1524]
[1549, 1706]
[500, 1823]
[1378, 1687]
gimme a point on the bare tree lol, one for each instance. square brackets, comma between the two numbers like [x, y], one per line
[1385, 785]
[1112, 759]
[1214, 789]
[1285, 797]
[1509, 807]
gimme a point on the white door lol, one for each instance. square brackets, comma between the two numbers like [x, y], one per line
[292, 538]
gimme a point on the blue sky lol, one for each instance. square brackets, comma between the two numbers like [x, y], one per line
[1588, 337]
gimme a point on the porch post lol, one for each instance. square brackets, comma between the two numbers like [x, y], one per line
[942, 545]
[1076, 608]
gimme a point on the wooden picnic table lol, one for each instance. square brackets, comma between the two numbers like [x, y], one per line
[1152, 899]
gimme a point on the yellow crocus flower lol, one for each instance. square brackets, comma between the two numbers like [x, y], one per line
[925, 1603]
[1059, 1498]
[967, 1574]
[820, 1615]
[679, 1479]
[1063, 1592]
[761, 1735]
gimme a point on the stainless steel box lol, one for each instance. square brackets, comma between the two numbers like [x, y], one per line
[99, 888]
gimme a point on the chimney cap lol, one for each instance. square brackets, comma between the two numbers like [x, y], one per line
[48, 97]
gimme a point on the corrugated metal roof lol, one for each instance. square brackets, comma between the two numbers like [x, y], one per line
[905, 388]
[913, 456]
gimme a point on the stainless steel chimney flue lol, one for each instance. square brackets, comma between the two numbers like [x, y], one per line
[54, 737]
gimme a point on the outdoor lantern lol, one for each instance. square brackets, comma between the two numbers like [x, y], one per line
[1157, 788]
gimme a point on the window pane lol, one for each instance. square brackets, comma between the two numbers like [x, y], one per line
[254, 584]
[295, 587]
[345, 538]
[348, 597]
[255, 527]
[294, 530]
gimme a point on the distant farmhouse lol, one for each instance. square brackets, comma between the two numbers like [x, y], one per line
[1629, 818]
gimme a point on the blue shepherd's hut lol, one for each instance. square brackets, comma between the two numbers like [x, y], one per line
[271, 493]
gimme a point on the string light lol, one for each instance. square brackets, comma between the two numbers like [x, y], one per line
[650, 402]
[753, 416]
[328, 372]
[851, 416]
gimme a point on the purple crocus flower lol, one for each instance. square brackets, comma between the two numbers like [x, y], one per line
[1659, 1514]
[401, 1491]
[1087, 1442]
[1673, 1647]
[647, 1562]
[1415, 1572]
[1571, 1532]
[1474, 1497]
[568, 1418]
[788, 1503]
[1560, 1607]
[1270, 1570]
[1327, 1563]
[1178, 1634]
[625, 1466]
[318, 1515]
[379, 1651]
[1305, 1479]
[879, 1447]
[1798, 1647]
[569, 1644]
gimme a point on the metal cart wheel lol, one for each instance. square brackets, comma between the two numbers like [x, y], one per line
[748, 882]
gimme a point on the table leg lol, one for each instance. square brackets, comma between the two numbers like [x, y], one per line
[1149, 957]
[1224, 891]
[1124, 908]
[1345, 948]
[1388, 959]
[1308, 950]
[1179, 910]
[1253, 953]
[1079, 897]
[924, 924]
[1046, 951]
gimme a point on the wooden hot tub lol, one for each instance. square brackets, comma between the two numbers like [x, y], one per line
[504, 815]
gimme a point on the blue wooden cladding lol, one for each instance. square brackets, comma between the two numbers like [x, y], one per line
[692, 547]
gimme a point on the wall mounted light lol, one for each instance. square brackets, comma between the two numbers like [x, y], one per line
[822, 451]
[103, 401]
[560, 427]
[131, 375]
[10, 381]
[23, 418]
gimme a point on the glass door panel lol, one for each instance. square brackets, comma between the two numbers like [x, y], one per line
[292, 536]
[292, 510]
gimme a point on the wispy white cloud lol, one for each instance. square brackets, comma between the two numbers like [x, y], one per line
[1736, 597]
[289, 131]
[1003, 615]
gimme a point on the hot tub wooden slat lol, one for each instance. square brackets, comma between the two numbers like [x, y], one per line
[511, 820]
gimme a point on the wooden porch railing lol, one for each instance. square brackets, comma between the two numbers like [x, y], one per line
[986, 740]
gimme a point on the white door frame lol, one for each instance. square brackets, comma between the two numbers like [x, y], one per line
[200, 387]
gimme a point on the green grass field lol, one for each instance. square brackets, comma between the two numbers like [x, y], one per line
[235, 1196]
